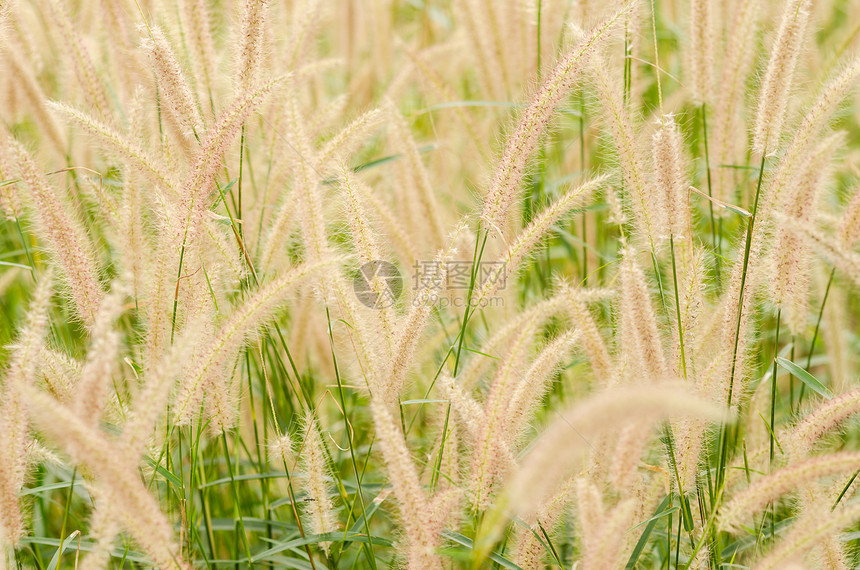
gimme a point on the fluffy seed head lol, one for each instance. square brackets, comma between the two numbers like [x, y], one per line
[177, 97]
[64, 235]
[756, 497]
[779, 76]
[670, 178]
[701, 50]
[504, 189]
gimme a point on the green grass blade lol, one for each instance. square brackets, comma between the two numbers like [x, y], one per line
[640, 545]
[467, 542]
[811, 381]
[55, 560]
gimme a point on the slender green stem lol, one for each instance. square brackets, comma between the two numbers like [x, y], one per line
[68, 504]
[815, 334]
[774, 372]
[437, 467]
[176, 292]
[678, 307]
[740, 309]
[239, 182]
[476, 260]
[582, 171]
[714, 234]
[237, 511]
[742, 291]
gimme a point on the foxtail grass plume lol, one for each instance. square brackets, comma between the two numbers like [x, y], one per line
[197, 27]
[492, 457]
[249, 50]
[526, 241]
[537, 313]
[806, 532]
[557, 452]
[846, 260]
[606, 550]
[137, 509]
[64, 234]
[636, 184]
[177, 97]
[591, 339]
[849, 227]
[93, 389]
[118, 144]
[421, 184]
[195, 190]
[230, 338]
[507, 179]
[422, 523]
[757, 496]
[791, 254]
[10, 201]
[25, 76]
[640, 335]
[344, 144]
[703, 39]
[528, 549]
[814, 120]
[779, 76]
[14, 422]
[411, 328]
[729, 139]
[282, 450]
[671, 178]
[820, 421]
[81, 61]
[533, 386]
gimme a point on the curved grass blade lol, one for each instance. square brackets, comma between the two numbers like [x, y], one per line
[811, 381]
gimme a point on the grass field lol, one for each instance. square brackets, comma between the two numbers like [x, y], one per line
[429, 284]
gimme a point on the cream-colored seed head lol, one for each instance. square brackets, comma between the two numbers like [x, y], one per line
[64, 234]
[670, 179]
[178, 99]
[506, 182]
[703, 40]
[14, 422]
[779, 76]
[757, 496]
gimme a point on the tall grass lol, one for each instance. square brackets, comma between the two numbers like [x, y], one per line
[432, 284]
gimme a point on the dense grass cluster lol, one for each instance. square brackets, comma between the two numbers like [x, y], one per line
[429, 284]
